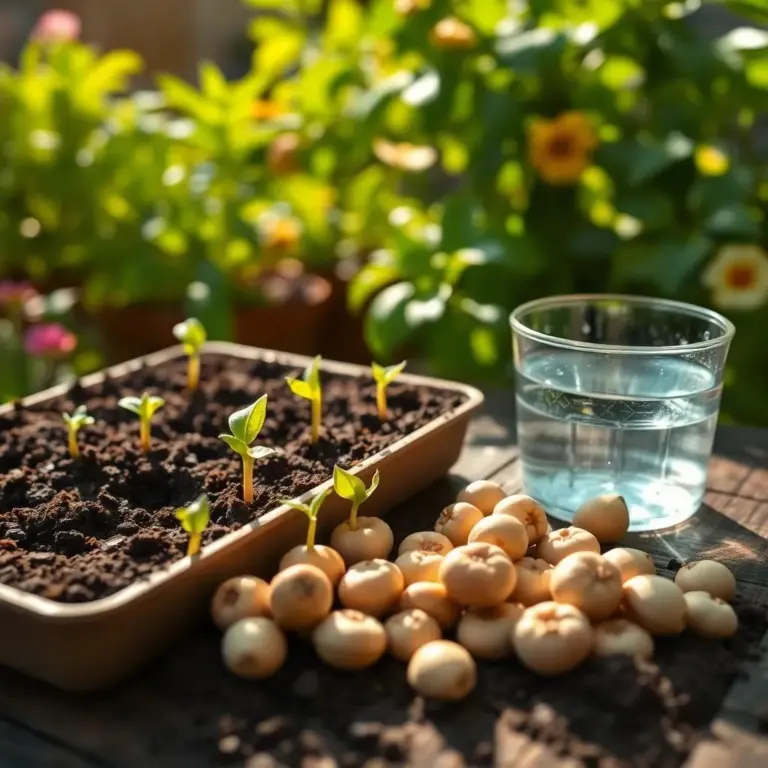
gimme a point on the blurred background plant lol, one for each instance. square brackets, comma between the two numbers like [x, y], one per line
[425, 165]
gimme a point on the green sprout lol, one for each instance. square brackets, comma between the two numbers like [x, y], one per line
[191, 333]
[194, 519]
[145, 408]
[245, 426]
[383, 378]
[311, 510]
[352, 488]
[308, 387]
[75, 421]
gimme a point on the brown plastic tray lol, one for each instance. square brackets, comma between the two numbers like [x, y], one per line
[93, 645]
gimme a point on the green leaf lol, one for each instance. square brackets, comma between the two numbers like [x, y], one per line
[348, 486]
[423, 90]
[648, 160]
[246, 424]
[299, 387]
[756, 10]
[191, 333]
[150, 405]
[132, 404]
[293, 504]
[391, 372]
[317, 502]
[526, 52]
[260, 452]
[111, 72]
[368, 281]
[343, 24]
[213, 83]
[187, 100]
[235, 443]
[733, 221]
[312, 374]
[385, 326]
[379, 373]
[194, 518]
[373, 486]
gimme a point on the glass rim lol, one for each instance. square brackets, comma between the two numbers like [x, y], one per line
[552, 302]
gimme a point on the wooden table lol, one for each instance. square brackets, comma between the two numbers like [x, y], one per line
[42, 727]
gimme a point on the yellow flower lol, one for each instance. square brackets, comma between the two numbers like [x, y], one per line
[738, 277]
[280, 233]
[453, 34]
[711, 161]
[266, 110]
[405, 156]
[561, 149]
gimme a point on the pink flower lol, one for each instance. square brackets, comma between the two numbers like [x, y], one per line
[57, 26]
[14, 294]
[51, 340]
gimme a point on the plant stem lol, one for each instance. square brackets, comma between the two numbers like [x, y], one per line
[353, 516]
[193, 372]
[144, 435]
[311, 532]
[381, 401]
[193, 547]
[247, 479]
[74, 450]
[316, 408]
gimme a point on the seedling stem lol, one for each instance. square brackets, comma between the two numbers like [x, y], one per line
[351, 487]
[194, 520]
[383, 378]
[311, 510]
[74, 422]
[145, 408]
[308, 387]
[191, 333]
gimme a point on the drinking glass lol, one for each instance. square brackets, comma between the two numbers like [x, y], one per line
[618, 394]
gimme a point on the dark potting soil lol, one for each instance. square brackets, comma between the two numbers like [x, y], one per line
[606, 713]
[77, 530]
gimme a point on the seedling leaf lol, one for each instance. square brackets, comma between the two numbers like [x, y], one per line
[235, 443]
[348, 486]
[373, 486]
[318, 502]
[149, 405]
[386, 375]
[132, 404]
[260, 451]
[195, 517]
[300, 388]
[247, 423]
[312, 374]
[191, 333]
[293, 504]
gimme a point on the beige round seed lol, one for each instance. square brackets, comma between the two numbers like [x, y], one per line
[551, 638]
[589, 582]
[631, 562]
[350, 640]
[407, 631]
[433, 599]
[707, 576]
[327, 559]
[442, 670]
[504, 531]
[426, 541]
[301, 597]
[619, 636]
[238, 598]
[533, 581]
[254, 648]
[372, 539]
[487, 632]
[372, 586]
[457, 520]
[478, 574]
[655, 603]
[529, 512]
[557, 545]
[483, 494]
[606, 517]
[710, 616]
[417, 565]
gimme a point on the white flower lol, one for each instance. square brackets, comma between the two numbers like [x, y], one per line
[738, 277]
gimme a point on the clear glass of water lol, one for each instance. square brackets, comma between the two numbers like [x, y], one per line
[618, 394]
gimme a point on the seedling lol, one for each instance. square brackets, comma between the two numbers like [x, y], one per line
[383, 378]
[245, 426]
[308, 387]
[75, 421]
[191, 333]
[145, 408]
[325, 558]
[364, 538]
[194, 519]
